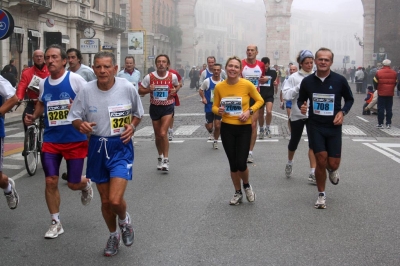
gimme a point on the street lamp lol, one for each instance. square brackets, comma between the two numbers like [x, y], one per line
[360, 42]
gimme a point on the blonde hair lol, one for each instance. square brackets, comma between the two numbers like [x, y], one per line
[234, 57]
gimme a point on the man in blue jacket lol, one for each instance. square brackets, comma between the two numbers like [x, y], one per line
[324, 91]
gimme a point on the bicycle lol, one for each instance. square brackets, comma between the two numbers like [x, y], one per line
[32, 142]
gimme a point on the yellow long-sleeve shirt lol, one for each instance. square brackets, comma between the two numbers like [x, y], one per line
[243, 90]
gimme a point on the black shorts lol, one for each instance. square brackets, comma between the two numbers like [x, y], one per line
[327, 139]
[267, 93]
[158, 111]
[210, 117]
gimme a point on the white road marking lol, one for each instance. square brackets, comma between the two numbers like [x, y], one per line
[391, 156]
[185, 130]
[363, 119]
[352, 130]
[13, 166]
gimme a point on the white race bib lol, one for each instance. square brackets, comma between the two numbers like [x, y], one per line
[57, 112]
[160, 92]
[323, 104]
[120, 115]
[233, 105]
[253, 79]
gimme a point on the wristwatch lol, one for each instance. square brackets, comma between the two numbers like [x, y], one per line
[344, 113]
[133, 127]
[251, 111]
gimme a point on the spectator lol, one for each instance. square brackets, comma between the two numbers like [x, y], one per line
[384, 82]
[194, 78]
[370, 101]
[8, 75]
[359, 79]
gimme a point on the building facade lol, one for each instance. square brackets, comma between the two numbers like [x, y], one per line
[38, 23]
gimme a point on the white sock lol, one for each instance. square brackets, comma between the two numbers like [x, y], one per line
[165, 158]
[323, 192]
[170, 130]
[161, 156]
[7, 190]
[116, 233]
[290, 162]
[251, 152]
[312, 170]
[267, 127]
[55, 216]
[124, 221]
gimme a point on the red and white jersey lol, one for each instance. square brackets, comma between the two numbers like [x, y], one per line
[161, 94]
[253, 72]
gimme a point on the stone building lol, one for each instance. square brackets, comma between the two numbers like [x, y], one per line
[156, 19]
[38, 23]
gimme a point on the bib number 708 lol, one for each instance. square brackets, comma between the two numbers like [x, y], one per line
[322, 106]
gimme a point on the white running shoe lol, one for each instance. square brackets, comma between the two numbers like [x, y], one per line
[250, 158]
[12, 197]
[334, 177]
[312, 179]
[170, 135]
[215, 145]
[210, 136]
[288, 170]
[87, 195]
[269, 133]
[237, 199]
[165, 165]
[321, 201]
[159, 164]
[250, 195]
[261, 134]
[54, 230]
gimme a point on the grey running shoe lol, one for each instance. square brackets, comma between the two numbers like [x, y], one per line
[165, 165]
[268, 133]
[215, 145]
[237, 199]
[379, 126]
[12, 197]
[54, 230]
[159, 164]
[250, 158]
[261, 135]
[321, 201]
[334, 177]
[170, 135]
[388, 126]
[311, 179]
[112, 246]
[64, 176]
[127, 232]
[288, 170]
[87, 195]
[250, 195]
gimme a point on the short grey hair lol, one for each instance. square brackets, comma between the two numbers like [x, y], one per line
[103, 54]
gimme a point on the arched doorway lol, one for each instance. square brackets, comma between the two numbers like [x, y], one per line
[278, 28]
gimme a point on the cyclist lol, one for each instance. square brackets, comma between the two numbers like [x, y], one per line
[30, 77]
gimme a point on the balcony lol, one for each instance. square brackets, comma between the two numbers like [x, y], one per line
[41, 6]
[115, 22]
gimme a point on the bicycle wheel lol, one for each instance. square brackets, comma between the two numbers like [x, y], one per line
[31, 153]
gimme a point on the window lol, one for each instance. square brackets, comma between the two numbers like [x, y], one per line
[96, 5]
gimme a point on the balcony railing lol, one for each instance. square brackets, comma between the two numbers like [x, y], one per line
[115, 21]
[42, 6]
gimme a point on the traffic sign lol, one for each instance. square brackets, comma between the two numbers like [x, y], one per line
[6, 24]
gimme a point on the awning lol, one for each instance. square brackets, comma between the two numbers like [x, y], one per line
[65, 39]
[36, 33]
[19, 30]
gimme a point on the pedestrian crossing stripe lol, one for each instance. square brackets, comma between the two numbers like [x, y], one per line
[188, 130]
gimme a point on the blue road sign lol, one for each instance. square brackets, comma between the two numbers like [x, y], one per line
[6, 24]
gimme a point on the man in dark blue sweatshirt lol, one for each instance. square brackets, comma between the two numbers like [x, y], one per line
[324, 91]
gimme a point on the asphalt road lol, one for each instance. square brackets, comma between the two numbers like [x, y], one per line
[183, 217]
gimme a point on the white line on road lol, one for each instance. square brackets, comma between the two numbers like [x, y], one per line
[13, 166]
[21, 174]
[391, 156]
[363, 119]
[372, 140]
